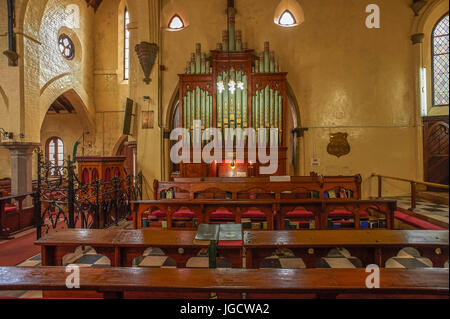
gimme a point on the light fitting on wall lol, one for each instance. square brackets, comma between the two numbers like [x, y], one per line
[6, 135]
[176, 23]
[289, 14]
[173, 17]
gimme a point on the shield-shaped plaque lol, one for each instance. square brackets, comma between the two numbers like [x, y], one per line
[338, 144]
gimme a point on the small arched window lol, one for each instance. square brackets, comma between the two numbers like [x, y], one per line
[440, 61]
[55, 154]
[126, 46]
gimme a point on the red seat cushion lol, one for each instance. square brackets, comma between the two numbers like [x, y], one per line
[10, 209]
[340, 213]
[183, 214]
[254, 214]
[158, 213]
[222, 213]
[364, 214]
[300, 214]
[419, 223]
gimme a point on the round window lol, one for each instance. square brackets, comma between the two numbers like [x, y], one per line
[66, 47]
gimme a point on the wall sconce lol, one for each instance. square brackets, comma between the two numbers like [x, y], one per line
[289, 14]
[173, 17]
[147, 53]
[6, 135]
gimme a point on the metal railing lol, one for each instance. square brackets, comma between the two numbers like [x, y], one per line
[64, 201]
[413, 183]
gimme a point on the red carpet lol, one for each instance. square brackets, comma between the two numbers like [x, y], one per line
[17, 250]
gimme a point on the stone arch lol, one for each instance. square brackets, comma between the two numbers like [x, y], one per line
[77, 101]
[29, 20]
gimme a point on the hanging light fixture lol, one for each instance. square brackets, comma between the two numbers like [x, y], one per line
[173, 17]
[289, 14]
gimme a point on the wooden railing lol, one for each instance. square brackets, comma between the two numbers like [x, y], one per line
[413, 183]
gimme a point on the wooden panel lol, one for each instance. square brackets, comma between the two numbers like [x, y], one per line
[114, 281]
[436, 149]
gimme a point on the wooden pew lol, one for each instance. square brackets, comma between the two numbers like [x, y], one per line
[371, 247]
[230, 283]
[122, 246]
[14, 217]
[297, 187]
[275, 210]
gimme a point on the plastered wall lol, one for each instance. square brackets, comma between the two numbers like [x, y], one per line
[346, 78]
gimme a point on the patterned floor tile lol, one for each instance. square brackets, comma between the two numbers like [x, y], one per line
[339, 258]
[409, 258]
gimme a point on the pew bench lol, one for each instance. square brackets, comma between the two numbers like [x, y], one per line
[15, 218]
[273, 211]
[121, 247]
[371, 247]
[228, 283]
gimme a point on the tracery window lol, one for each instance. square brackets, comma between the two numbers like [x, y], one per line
[440, 62]
[66, 47]
[55, 154]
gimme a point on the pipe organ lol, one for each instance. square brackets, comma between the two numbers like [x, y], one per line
[232, 87]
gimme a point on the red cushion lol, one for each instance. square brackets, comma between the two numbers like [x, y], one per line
[10, 209]
[183, 214]
[300, 214]
[340, 213]
[158, 213]
[254, 214]
[364, 214]
[419, 223]
[222, 213]
[230, 243]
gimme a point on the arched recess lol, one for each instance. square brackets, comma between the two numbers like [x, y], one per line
[86, 119]
[294, 122]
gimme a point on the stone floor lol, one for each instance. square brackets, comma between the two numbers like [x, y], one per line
[424, 209]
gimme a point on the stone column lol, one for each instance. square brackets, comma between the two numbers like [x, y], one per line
[21, 168]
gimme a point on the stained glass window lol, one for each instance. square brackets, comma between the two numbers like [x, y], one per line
[126, 53]
[55, 154]
[66, 47]
[440, 54]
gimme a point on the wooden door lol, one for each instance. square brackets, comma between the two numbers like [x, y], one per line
[436, 149]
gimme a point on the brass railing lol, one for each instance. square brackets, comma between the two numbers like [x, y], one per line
[413, 183]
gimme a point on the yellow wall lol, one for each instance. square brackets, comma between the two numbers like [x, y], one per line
[346, 78]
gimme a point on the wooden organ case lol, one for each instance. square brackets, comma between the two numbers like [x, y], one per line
[233, 88]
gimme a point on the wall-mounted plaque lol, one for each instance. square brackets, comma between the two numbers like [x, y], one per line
[148, 119]
[339, 145]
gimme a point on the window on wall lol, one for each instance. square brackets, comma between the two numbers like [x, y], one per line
[126, 53]
[55, 154]
[440, 54]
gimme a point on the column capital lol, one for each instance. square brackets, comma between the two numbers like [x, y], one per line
[19, 147]
[417, 38]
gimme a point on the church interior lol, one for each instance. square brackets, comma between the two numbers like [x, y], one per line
[224, 149]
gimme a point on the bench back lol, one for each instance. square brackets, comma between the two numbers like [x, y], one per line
[298, 187]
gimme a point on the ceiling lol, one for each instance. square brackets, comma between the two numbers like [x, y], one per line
[61, 106]
[94, 3]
